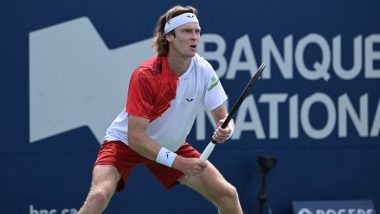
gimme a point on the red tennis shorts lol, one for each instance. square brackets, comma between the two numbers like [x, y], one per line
[118, 154]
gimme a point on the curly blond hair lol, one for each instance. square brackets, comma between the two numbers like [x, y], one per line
[159, 42]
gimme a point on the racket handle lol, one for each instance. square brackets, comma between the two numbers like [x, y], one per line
[206, 153]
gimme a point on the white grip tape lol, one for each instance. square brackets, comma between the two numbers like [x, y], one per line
[206, 153]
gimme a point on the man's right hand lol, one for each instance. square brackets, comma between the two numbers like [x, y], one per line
[190, 166]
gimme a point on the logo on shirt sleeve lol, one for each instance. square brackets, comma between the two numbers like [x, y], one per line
[214, 82]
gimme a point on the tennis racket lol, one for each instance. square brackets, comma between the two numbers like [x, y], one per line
[210, 147]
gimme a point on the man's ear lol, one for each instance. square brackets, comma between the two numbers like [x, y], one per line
[169, 37]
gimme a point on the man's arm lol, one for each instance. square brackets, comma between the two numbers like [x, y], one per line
[138, 140]
[147, 147]
[220, 135]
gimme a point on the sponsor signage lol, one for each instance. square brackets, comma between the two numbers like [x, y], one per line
[334, 207]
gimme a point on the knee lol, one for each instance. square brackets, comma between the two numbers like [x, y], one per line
[232, 193]
[100, 196]
[228, 194]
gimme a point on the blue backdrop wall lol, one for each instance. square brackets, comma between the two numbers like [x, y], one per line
[65, 67]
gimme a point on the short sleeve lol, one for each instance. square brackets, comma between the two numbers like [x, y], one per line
[140, 95]
[215, 94]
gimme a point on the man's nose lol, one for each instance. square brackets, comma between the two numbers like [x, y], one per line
[194, 35]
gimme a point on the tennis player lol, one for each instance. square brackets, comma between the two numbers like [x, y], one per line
[165, 94]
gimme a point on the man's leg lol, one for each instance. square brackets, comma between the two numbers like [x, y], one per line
[214, 187]
[103, 186]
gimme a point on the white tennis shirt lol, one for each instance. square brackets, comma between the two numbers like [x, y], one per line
[198, 88]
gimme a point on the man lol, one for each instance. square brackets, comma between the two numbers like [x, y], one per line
[165, 94]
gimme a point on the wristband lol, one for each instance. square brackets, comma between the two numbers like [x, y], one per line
[166, 157]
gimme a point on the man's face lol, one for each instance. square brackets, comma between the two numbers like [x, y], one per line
[186, 39]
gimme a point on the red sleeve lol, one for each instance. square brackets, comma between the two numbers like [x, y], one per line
[140, 94]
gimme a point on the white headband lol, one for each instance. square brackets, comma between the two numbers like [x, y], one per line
[179, 20]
